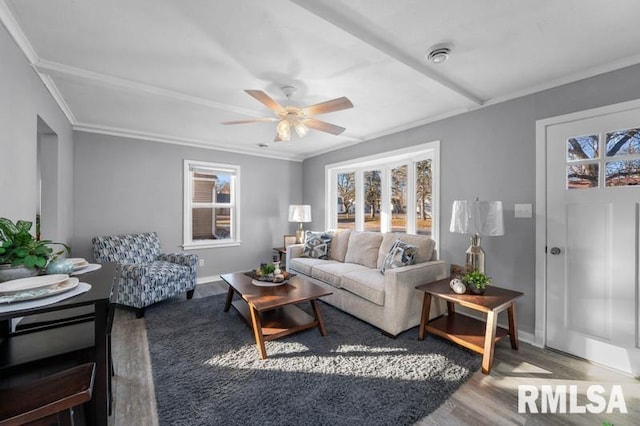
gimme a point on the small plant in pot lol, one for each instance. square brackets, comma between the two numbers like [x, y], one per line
[476, 281]
[21, 255]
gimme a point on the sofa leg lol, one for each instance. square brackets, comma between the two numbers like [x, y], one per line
[384, 333]
[190, 294]
[139, 312]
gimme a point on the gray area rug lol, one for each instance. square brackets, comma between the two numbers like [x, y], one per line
[207, 371]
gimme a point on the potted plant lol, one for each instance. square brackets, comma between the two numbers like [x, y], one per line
[21, 255]
[476, 281]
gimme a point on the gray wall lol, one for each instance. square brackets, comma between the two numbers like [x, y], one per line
[488, 153]
[127, 185]
[24, 98]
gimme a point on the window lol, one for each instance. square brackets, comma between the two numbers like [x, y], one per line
[620, 160]
[211, 207]
[391, 192]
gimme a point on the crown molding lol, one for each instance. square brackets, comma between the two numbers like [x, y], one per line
[195, 143]
[45, 66]
[11, 24]
[57, 96]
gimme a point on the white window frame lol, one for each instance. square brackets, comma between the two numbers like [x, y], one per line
[234, 205]
[386, 161]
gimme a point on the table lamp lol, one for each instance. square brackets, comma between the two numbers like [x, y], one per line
[300, 214]
[477, 218]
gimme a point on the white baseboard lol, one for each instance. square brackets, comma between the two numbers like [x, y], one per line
[209, 279]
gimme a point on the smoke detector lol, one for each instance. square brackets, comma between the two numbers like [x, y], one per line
[439, 53]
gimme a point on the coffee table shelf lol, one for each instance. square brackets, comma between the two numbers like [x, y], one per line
[271, 312]
[278, 322]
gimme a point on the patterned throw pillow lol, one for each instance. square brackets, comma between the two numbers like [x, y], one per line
[400, 254]
[316, 245]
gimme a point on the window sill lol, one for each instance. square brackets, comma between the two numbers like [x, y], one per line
[209, 245]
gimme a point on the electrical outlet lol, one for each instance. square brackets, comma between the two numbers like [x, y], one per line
[201, 262]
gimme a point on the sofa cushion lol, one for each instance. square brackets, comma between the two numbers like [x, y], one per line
[304, 264]
[331, 272]
[316, 245]
[368, 284]
[339, 244]
[401, 254]
[424, 243]
[363, 248]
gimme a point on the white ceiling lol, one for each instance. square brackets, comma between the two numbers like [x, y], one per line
[171, 70]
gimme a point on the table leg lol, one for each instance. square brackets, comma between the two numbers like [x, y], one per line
[257, 331]
[316, 311]
[489, 342]
[100, 399]
[513, 329]
[451, 308]
[424, 318]
[227, 304]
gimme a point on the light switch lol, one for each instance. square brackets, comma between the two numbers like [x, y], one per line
[523, 210]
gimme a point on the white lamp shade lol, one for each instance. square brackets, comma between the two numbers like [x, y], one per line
[477, 217]
[299, 213]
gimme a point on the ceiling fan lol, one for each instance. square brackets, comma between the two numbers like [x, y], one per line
[301, 119]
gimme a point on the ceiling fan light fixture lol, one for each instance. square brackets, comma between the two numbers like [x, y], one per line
[284, 129]
[300, 128]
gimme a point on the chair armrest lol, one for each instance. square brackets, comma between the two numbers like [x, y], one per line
[134, 271]
[185, 259]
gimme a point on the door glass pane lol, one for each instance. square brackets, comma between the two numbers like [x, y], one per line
[346, 191]
[372, 198]
[399, 199]
[623, 173]
[623, 142]
[423, 197]
[582, 148]
[581, 176]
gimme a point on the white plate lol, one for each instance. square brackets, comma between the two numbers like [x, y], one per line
[78, 263]
[31, 283]
[38, 293]
[267, 283]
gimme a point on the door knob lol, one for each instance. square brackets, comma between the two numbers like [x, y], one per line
[555, 251]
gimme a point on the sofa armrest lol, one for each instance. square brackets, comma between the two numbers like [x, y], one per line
[413, 275]
[400, 283]
[295, 250]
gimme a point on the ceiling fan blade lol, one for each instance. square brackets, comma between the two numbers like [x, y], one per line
[267, 101]
[323, 126]
[328, 106]
[252, 120]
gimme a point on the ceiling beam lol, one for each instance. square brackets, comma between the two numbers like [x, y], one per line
[352, 27]
[46, 67]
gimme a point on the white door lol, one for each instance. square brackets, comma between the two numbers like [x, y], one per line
[593, 196]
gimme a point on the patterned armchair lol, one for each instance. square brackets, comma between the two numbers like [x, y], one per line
[148, 276]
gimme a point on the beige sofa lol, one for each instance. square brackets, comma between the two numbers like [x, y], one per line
[352, 272]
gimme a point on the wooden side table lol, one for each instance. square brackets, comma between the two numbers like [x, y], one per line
[469, 332]
[282, 252]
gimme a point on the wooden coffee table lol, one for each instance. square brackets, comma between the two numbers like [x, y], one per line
[271, 311]
[479, 336]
